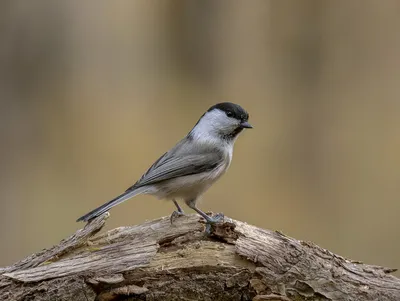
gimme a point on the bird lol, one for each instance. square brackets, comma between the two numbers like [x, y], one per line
[192, 166]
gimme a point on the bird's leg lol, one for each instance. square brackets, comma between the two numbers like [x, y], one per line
[209, 220]
[176, 213]
[178, 207]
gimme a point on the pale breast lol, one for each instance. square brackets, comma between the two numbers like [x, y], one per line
[192, 186]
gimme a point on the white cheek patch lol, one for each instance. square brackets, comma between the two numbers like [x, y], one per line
[214, 124]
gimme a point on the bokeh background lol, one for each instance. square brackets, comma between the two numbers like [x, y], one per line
[92, 92]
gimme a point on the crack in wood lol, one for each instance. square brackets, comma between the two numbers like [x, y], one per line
[160, 261]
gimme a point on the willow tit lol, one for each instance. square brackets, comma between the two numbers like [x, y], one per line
[195, 163]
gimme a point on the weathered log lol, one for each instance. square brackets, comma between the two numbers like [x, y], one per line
[160, 261]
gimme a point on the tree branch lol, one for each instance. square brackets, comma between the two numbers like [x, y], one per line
[160, 261]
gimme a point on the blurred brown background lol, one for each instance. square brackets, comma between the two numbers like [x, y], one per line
[92, 92]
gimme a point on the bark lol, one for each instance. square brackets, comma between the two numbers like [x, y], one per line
[158, 260]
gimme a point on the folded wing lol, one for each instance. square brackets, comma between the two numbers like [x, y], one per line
[171, 166]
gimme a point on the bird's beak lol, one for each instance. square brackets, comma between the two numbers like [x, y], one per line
[246, 125]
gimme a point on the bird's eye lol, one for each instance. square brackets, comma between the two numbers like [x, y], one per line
[229, 114]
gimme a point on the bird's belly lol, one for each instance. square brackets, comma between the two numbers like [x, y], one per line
[188, 187]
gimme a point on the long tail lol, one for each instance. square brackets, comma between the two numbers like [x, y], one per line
[105, 207]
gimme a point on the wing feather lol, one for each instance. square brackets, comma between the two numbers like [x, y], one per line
[171, 166]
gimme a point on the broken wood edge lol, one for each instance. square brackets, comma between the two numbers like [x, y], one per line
[80, 237]
[244, 254]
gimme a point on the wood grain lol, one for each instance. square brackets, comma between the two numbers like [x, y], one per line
[160, 261]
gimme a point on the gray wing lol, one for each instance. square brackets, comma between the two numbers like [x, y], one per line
[175, 165]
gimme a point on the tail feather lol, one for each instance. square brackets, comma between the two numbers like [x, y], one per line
[105, 207]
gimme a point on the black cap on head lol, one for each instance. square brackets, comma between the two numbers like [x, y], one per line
[231, 110]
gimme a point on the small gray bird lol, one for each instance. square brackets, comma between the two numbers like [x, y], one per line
[195, 163]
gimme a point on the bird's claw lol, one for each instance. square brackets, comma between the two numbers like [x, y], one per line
[212, 221]
[176, 214]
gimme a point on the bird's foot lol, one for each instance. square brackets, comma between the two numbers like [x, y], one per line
[175, 215]
[218, 218]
